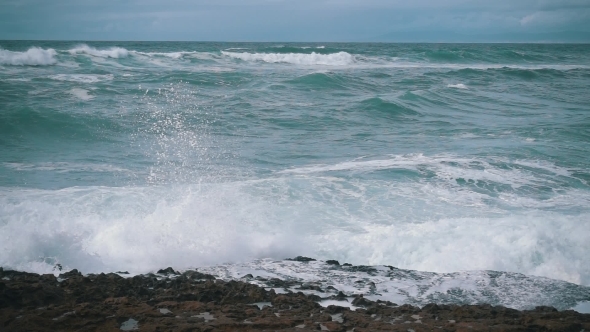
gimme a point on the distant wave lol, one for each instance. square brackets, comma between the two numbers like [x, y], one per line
[334, 59]
[113, 52]
[81, 94]
[82, 78]
[173, 55]
[34, 56]
[458, 86]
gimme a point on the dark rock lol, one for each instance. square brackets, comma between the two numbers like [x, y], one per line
[195, 275]
[360, 301]
[338, 297]
[346, 264]
[332, 262]
[310, 286]
[545, 309]
[301, 259]
[363, 268]
[333, 309]
[70, 274]
[388, 303]
[167, 271]
[198, 302]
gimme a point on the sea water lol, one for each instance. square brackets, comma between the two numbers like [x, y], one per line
[434, 157]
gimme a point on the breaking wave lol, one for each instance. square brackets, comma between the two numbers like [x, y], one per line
[34, 56]
[334, 59]
[113, 52]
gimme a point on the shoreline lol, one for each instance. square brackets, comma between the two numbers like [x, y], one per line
[195, 301]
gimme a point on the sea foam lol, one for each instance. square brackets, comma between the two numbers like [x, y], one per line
[82, 78]
[139, 229]
[81, 94]
[34, 56]
[113, 52]
[334, 59]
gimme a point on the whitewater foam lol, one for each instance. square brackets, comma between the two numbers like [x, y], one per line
[515, 173]
[81, 94]
[144, 228]
[334, 59]
[65, 167]
[34, 56]
[82, 78]
[406, 286]
[113, 52]
[458, 86]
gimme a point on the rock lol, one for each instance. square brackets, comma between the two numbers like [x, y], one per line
[332, 262]
[167, 271]
[197, 302]
[360, 301]
[195, 275]
[70, 274]
[363, 268]
[301, 259]
[340, 296]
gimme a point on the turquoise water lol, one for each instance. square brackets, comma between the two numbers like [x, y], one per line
[436, 157]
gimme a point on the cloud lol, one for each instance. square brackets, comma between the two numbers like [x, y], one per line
[260, 20]
[557, 18]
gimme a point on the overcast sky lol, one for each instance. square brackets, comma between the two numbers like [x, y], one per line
[297, 20]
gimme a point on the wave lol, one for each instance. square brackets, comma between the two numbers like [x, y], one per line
[49, 125]
[388, 108]
[172, 55]
[82, 78]
[334, 59]
[286, 49]
[64, 167]
[319, 81]
[113, 52]
[139, 229]
[34, 56]
[491, 182]
[81, 94]
[458, 86]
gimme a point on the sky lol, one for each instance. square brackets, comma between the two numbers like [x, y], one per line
[298, 20]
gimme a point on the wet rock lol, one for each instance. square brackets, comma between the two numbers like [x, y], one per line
[310, 286]
[70, 274]
[197, 302]
[195, 275]
[363, 268]
[360, 301]
[332, 262]
[167, 271]
[301, 259]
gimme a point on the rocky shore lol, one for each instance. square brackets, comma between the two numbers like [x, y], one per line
[194, 301]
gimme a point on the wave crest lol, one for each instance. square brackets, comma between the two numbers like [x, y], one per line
[34, 56]
[113, 52]
[334, 59]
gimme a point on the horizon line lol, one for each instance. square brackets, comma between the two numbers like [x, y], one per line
[283, 41]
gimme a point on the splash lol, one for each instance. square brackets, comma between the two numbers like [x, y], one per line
[34, 56]
[113, 52]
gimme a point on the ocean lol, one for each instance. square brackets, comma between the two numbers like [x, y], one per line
[469, 162]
